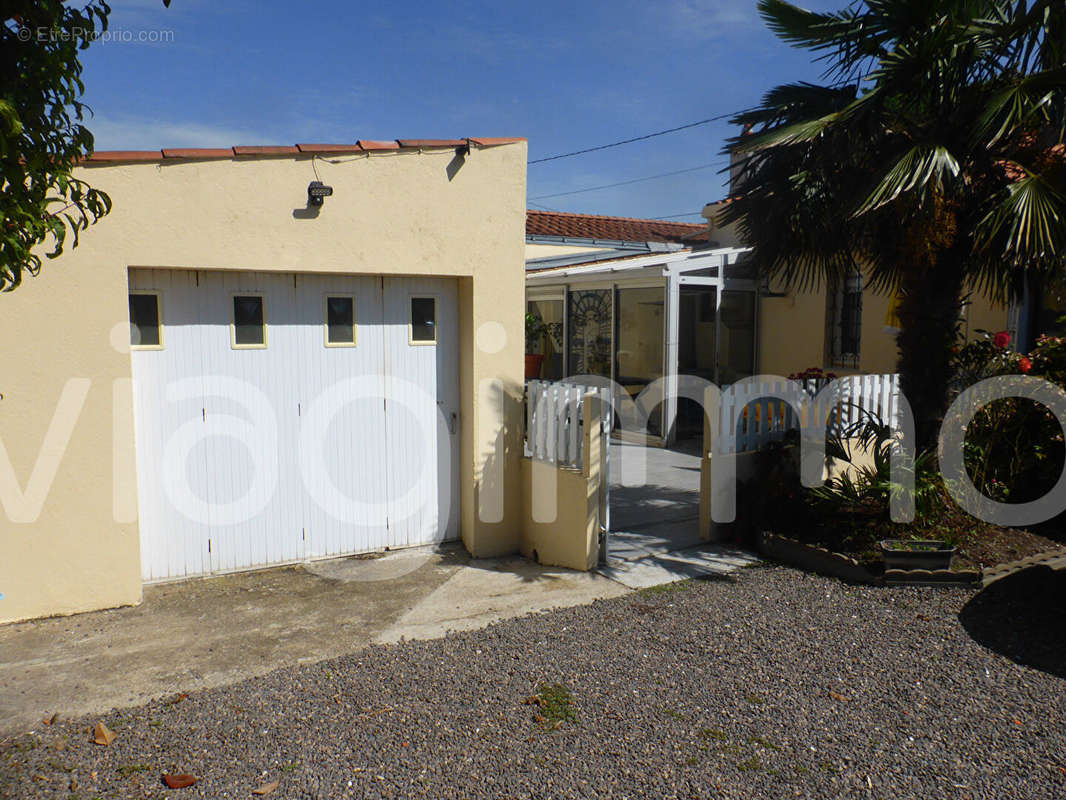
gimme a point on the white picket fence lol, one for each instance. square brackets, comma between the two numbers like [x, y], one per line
[554, 414]
[758, 420]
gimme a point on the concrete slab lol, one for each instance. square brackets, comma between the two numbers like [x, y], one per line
[662, 513]
[706, 561]
[488, 590]
[652, 539]
[212, 632]
[655, 526]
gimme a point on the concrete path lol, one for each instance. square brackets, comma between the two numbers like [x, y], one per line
[655, 527]
[217, 631]
[663, 513]
[702, 561]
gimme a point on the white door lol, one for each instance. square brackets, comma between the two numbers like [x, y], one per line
[422, 409]
[168, 398]
[341, 449]
[281, 417]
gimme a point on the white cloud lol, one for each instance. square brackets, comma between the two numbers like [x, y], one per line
[711, 19]
[116, 133]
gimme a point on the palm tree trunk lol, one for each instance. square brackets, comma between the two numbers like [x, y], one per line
[930, 303]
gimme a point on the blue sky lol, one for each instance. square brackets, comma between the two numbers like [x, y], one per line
[566, 75]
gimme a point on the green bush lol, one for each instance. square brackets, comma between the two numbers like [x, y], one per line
[1014, 447]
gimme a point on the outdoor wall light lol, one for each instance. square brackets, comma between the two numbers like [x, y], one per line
[317, 192]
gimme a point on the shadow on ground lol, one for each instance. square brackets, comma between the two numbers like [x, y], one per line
[1022, 617]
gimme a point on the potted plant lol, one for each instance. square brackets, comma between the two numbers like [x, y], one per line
[929, 554]
[535, 330]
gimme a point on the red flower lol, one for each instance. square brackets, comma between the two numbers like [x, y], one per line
[1024, 364]
[1001, 339]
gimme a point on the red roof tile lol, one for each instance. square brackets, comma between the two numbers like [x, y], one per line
[264, 150]
[431, 142]
[626, 229]
[329, 148]
[362, 146]
[195, 152]
[1015, 172]
[368, 144]
[126, 155]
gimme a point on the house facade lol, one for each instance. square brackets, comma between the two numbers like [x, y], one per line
[847, 328]
[637, 300]
[232, 370]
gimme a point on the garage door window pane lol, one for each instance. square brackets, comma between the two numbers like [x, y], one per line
[144, 321]
[249, 328]
[423, 320]
[340, 320]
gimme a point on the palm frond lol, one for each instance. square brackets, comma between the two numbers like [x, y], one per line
[1030, 223]
[1025, 104]
[808, 128]
[915, 169]
[845, 38]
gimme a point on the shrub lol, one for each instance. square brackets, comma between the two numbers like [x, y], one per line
[1014, 447]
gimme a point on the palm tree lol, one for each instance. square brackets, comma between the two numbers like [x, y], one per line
[931, 159]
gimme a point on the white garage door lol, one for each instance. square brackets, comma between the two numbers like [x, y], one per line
[284, 417]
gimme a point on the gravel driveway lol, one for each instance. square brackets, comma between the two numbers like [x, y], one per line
[769, 684]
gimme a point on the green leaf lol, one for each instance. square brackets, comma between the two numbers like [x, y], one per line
[915, 169]
[1033, 219]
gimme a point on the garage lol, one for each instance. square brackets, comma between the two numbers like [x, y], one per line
[282, 417]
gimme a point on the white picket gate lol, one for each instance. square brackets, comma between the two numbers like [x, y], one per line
[757, 419]
[555, 414]
[554, 419]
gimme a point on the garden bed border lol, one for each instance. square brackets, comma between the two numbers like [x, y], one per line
[836, 565]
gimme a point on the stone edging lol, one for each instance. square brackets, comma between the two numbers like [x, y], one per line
[835, 565]
[1051, 558]
[815, 559]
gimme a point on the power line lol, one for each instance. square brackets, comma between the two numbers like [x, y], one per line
[540, 207]
[630, 141]
[675, 216]
[627, 183]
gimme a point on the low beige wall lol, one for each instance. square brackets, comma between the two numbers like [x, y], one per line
[710, 530]
[562, 507]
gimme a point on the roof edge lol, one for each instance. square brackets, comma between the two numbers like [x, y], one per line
[251, 151]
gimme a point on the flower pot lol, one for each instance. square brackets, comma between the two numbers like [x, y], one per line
[533, 362]
[916, 554]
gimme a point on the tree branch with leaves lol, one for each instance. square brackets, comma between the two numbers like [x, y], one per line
[42, 135]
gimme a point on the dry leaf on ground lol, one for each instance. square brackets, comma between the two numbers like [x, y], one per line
[178, 781]
[266, 788]
[102, 735]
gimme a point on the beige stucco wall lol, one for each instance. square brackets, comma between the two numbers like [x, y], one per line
[563, 506]
[982, 314]
[570, 539]
[390, 214]
[723, 235]
[792, 331]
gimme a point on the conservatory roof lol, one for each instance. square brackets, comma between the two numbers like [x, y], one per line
[632, 265]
